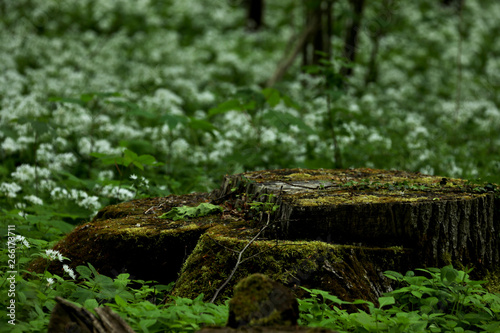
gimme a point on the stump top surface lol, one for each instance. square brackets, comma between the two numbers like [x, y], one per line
[306, 187]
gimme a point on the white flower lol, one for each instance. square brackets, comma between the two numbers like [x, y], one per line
[50, 281]
[53, 255]
[117, 192]
[9, 145]
[105, 175]
[59, 193]
[133, 177]
[268, 136]
[28, 173]
[22, 239]
[91, 203]
[10, 189]
[180, 147]
[70, 272]
[33, 199]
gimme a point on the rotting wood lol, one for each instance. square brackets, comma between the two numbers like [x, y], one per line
[67, 317]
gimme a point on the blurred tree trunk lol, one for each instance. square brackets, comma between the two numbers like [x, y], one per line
[255, 14]
[351, 37]
[458, 4]
[372, 73]
[318, 44]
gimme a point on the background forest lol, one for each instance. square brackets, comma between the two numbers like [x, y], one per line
[107, 101]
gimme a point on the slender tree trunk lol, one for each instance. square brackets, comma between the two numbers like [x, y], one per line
[455, 3]
[255, 14]
[351, 38]
[320, 40]
[371, 75]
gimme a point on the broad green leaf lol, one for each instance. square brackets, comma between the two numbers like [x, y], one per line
[91, 303]
[230, 105]
[120, 301]
[272, 96]
[173, 120]
[383, 301]
[283, 121]
[84, 272]
[183, 212]
[199, 124]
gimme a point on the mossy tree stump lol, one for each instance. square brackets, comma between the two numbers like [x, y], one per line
[336, 230]
[442, 220]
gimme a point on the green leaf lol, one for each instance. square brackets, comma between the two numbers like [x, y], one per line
[84, 272]
[230, 105]
[91, 303]
[290, 103]
[173, 120]
[139, 161]
[183, 212]
[283, 121]
[272, 96]
[120, 301]
[383, 301]
[393, 275]
[147, 323]
[199, 124]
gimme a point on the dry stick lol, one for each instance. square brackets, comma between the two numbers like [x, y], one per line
[288, 61]
[238, 262]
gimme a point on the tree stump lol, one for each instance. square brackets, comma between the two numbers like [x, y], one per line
[335, 230]
[442, 220]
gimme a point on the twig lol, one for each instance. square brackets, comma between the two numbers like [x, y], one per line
[239, 261]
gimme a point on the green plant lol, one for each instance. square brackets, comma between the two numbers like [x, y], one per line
[445, 301]
[268, 207]
[184, 212]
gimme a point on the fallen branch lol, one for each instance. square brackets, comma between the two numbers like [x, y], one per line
[67, 317]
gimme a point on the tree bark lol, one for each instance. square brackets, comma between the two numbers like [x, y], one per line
[318, 45]
[351, 38]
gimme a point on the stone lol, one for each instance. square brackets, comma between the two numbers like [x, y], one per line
[260, 301]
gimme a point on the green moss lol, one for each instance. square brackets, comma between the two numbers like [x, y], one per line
[492, 279]
[293, 263]
[122, 238]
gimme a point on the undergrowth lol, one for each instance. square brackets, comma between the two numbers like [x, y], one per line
[427, 300]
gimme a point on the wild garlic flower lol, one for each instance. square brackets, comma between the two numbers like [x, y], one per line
[22, 239]
[53, 255]
[33, 199]
[50, 281]
[10, 189]
[70, 272]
